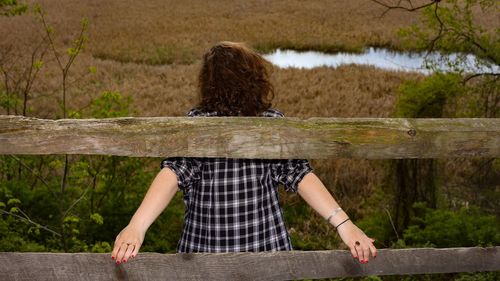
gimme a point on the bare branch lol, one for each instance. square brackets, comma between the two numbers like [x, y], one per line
[31, 170]
[433, 41]
[410, 7]
[392, 223]
[28, 220]
[48, 32]
[472, 76]
[76, 202]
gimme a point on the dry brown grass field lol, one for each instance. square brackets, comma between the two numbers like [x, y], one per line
[150, 50]
[158, 32]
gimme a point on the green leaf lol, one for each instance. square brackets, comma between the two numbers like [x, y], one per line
[97, 218]
[56, 164]
[71, 51]
[74, 114]
[13, 201]
[12, 8]
[85, 23]
[38, 64]
[71, 219]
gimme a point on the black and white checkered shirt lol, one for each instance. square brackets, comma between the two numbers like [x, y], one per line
[232, 204]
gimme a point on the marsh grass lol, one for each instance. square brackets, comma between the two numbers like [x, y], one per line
[158, 32]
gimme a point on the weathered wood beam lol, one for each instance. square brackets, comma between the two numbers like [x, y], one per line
[244, 137]
[245, 265]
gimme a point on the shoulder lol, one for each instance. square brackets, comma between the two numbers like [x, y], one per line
[271, 112]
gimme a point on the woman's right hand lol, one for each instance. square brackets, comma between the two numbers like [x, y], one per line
[127, 243]
[350, 235]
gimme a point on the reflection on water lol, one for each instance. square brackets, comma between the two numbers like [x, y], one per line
[381, 58]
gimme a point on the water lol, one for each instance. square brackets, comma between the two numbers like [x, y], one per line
[381, 58]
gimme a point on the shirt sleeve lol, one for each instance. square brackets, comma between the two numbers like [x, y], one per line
[291, 172]
[188, 170]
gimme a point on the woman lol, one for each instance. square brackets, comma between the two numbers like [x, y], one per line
[232, 204]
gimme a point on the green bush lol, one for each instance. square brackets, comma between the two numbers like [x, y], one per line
[467, 227]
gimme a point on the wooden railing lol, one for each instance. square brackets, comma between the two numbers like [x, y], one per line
[239, 137]
[289, 265]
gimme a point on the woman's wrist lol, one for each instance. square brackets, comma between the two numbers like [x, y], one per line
[139, 226]
[341, 223]
[338, 218]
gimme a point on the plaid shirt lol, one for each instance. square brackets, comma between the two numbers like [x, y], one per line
[232, 204]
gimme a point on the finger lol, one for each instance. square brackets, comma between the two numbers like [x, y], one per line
[121, 253]
[116, 248]
[360, 249]
[359, 253]
[114, 252]
[353, 252]
[366, 252]
[136, 251]
[129, 250]
[373, 250]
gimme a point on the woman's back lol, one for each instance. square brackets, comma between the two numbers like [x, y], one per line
[232, 205]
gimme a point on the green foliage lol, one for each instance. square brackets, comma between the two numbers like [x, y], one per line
[12, 8]
[111, 104]
[451, 26]
[101, 247]
[455, 26]
[95, 217]
[13, 201]
[92, 69]
[479, 276]
[38, 64]
[9, 100]
[378, 225]
[427, 98]
[96, 204]
[467, 227]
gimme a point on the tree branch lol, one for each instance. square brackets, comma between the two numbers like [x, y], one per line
[27, 219]
[411, 8]
[34, 174]
[76, 202]
[472, 76]
[433, 41]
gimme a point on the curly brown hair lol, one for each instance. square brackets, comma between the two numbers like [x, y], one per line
[234, 81]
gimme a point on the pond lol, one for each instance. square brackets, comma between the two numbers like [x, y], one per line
[381, 58]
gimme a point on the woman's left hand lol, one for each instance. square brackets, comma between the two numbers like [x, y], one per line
[357, 241]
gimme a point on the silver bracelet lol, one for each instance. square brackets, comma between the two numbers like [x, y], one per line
[334, 213]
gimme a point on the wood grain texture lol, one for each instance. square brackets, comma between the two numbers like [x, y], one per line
[254, 137]
[245, 265]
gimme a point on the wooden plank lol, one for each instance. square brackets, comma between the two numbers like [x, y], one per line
[245, 265]
[254, 137]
